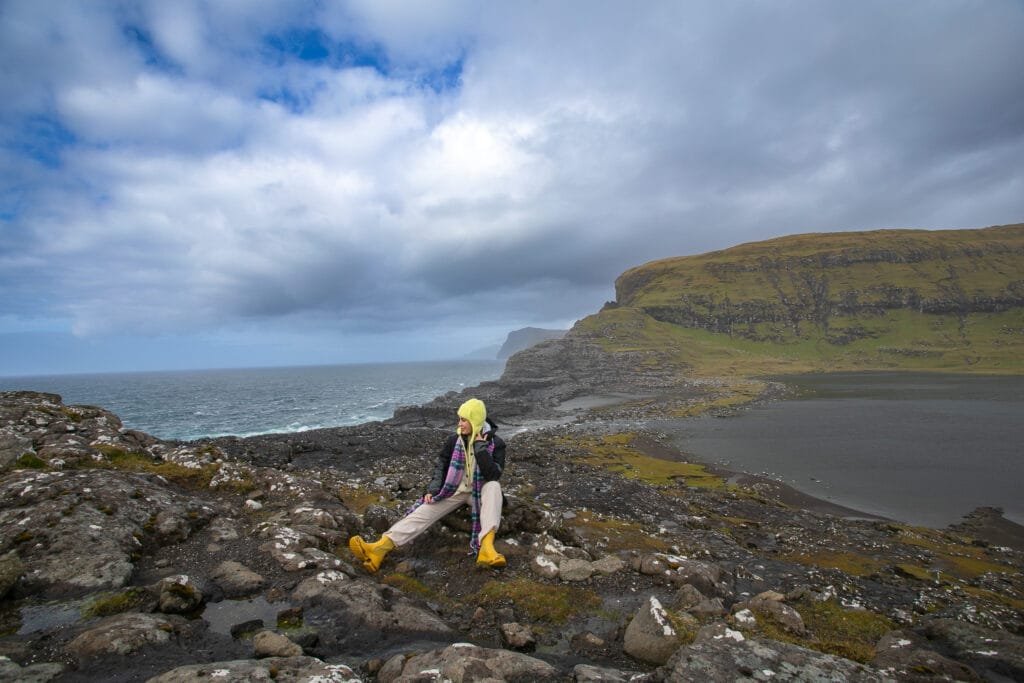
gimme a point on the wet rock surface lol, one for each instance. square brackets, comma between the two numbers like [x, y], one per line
[126, 558]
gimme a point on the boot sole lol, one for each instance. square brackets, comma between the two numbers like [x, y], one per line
[497, 564]
[356, 547]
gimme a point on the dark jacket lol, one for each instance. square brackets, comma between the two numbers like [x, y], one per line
[490, 465]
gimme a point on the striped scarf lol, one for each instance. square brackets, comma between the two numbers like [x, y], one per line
[451, 484]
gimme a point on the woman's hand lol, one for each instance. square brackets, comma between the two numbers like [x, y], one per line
[428, 498]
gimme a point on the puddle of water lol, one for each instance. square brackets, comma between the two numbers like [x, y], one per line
[221, 616]
[36, 618]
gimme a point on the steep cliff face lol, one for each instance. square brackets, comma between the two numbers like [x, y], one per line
[525, 338]
[886, 299]
[833, 287]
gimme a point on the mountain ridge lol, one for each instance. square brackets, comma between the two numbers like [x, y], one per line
[885, 299]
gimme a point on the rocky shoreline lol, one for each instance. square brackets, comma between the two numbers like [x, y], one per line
[127, 558]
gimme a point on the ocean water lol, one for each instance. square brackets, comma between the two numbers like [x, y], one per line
[189, 405]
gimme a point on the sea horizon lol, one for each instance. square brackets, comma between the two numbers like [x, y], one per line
[79, 373]
[187, 405]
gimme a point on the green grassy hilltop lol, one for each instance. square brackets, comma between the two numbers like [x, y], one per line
[949, 300]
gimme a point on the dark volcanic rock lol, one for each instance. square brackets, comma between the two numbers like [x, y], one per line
[720, 654]
[281, 669]
[77, 531]
[463, 663]
[989, 652]
[124, 634]
[589, 539]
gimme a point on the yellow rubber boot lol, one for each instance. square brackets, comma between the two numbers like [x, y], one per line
[488, 556]
[370, 554]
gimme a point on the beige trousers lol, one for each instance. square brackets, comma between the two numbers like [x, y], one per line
[419, 520]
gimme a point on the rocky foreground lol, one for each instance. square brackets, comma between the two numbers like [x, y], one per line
[127, 558]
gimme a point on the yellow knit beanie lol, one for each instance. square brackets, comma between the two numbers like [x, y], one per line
[475, 411]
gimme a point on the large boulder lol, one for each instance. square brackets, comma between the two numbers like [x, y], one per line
[271, 644]
[651, 637]
[910, 657]
[178, 595]
[236, 580]
[368, 604]
[12, 447]
[11, 569]
[463, 663]
[33, 673]
[276, 669]
[78, 531]
[991, 653]
[123, 634]
[720, 654]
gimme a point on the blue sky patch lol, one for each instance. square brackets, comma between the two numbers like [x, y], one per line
[43, 138]
[141, 39]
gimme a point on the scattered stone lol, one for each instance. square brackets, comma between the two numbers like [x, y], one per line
[178, 595]
[587, 642]
[575, 570]
[688, 597]
[518, 637]
[271, 644]
[586, 673]
[379, 518]
[247, 628]
[652, 564]
[544, 566]
[770, 603]
[236, 580]
[609, 564]
[222, 530]
[290, 617]
[704, 576]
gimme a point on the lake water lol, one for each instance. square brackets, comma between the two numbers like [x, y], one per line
[243, 402]
[919, 448]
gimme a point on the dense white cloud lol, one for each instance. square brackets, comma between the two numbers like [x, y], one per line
[391, 171]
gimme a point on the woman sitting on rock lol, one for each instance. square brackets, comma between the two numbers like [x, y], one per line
[467, 472]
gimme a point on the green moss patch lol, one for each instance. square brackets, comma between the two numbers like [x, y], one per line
[542, 602]
[409, 585]
[618, 453]
[115, 603]
[833, 629]
[854, 564]
[951, 555]
[119, 459]
[358, 499]
[30, 461]
[616, 534]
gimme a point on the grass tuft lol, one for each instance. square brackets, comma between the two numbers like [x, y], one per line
[554, 604]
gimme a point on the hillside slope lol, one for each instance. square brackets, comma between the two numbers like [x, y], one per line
[886, 299]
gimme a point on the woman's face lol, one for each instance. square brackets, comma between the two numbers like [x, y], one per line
[465, 426]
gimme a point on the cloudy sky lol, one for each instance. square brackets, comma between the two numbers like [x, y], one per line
[262, 182]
